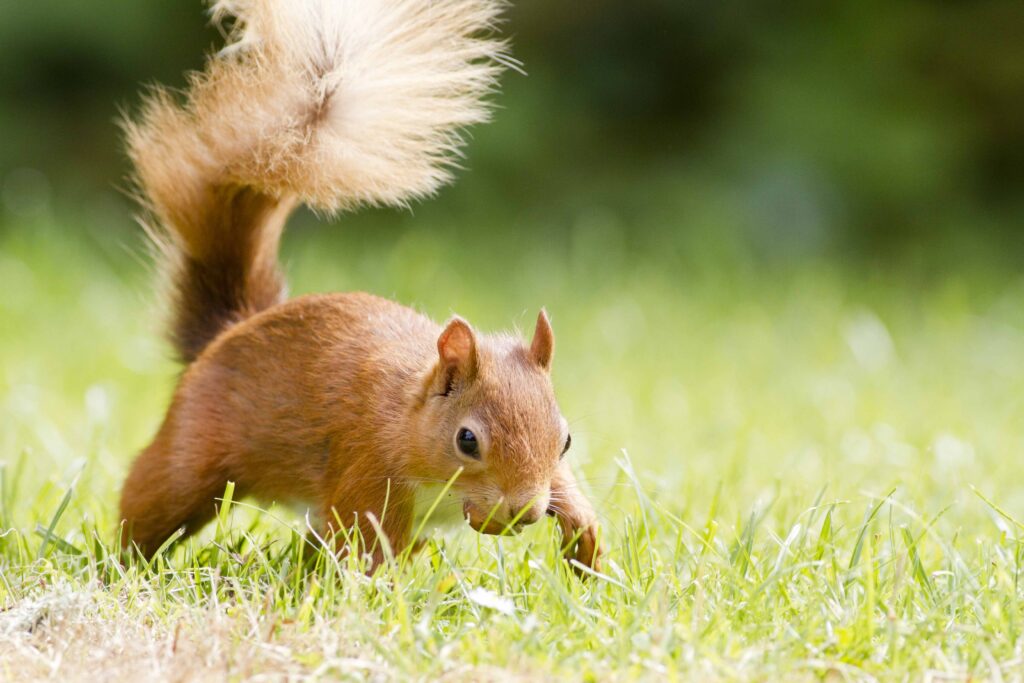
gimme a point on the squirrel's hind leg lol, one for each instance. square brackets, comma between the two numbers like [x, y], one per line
[162, 494]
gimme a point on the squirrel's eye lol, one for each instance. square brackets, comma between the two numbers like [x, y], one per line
[467, 443]
[568, 443]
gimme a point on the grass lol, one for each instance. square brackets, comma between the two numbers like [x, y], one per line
[808, 471]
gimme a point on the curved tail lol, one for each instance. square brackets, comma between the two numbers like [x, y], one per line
[332, 103]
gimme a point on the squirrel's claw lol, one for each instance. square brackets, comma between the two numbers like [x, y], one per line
[582, 544]
[586, 550]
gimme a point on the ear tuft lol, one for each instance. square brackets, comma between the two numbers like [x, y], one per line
[542, 349]
[457, 348]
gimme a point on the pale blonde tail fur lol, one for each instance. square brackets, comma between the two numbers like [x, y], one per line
[334, 103]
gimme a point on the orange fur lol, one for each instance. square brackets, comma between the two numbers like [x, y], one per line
[338, 401]
[344, 402]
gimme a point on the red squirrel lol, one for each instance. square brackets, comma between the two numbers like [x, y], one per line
[345, 403]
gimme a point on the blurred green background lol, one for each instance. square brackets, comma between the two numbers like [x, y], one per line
[782, 247]
[778, 240]
[781, 130]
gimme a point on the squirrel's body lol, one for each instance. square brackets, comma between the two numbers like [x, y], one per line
[287, 404]
[346, 403]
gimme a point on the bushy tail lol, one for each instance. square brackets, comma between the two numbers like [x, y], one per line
[334, 103]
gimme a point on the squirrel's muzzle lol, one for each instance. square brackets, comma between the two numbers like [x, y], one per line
[503, 517]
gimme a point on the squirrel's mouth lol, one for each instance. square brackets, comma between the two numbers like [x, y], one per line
[484, 523]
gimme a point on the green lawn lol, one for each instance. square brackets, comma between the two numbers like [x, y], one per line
[807, 470]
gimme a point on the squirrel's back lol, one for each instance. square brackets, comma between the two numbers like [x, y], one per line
[271, 394]
[331, 103]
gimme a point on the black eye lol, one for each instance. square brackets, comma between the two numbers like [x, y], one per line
[568, 443]
[467, 443]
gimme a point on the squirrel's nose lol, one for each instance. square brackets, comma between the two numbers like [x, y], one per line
[529, 509]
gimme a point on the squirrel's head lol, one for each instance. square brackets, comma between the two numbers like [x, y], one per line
[489, 408]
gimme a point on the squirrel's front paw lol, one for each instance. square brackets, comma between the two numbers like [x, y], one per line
[583, 546]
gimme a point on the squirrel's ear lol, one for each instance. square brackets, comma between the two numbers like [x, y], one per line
[542, 349]
[457, 348]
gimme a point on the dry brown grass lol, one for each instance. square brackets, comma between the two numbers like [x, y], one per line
[81, 635]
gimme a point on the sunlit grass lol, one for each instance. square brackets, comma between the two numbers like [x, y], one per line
[803, 471]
